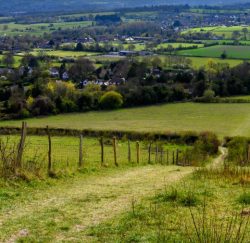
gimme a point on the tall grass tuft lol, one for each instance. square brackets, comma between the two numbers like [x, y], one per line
[207, 227]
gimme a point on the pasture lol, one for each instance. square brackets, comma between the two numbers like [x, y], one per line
[237, 52]
[61, 53]
[223, 119]
[222, 31]
[198, 62]
[13, 29]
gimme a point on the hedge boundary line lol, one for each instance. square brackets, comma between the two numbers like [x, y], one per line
[188, 137]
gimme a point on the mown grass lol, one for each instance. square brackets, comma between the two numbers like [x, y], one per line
[223, 119]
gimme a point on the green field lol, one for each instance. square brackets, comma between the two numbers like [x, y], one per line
[17, 60]
[179, 45]
[238, 52]
[38, 29]
[224, 31]
[223, 119]
[198, 62]
[61, 53]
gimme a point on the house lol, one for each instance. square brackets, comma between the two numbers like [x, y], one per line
[25, 70]
[65, 76]
[54, 72]
[128, 53]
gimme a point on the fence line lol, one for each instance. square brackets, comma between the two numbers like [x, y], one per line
[54, 154]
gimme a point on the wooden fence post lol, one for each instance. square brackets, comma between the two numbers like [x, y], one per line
[156, 152]
[102, 151]
[248, 153]
[81, 151]
[115, 154]
[129, 152]
[21, 145]
[149, 152]
[162, 155]
[173, 158]
[138, 152]
[177, 157]
[49, 152]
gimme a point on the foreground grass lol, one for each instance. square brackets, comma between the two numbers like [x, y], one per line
[58, 210]
[223, 119]
[218, 208]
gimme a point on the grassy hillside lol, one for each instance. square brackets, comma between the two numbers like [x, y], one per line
[224, 119]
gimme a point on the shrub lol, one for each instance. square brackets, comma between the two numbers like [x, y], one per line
[43, 106]
[244, 198]
[111, 100]
[208, 95]
[207, 143]
[238, 150]
[66, 105]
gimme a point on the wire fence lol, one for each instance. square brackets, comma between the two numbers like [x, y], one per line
[51, 153]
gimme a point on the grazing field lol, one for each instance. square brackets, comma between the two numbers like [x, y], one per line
[223, 31]
[179, 45]
[38, 29]
[62, 54]
[223, 119]
[238, 52]
[198, 62]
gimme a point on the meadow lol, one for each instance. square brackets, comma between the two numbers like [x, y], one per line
[13, 29]
[198, 62]
[237, 52]
[223, 31]
[223, 119]
[61, 53]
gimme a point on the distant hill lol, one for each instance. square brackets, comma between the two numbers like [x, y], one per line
[76, 5]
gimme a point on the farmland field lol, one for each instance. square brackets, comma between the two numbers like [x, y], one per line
[224, 31]
[38, 29]
[61, 53]
[238, 52]
[198, 62]
[223, 119]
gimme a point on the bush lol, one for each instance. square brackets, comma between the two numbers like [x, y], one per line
[66, 105]
[43, 106]
[111, 100]
[207, 143]
[244, 198]
[208, 95]
[24, 113]
[238, 150]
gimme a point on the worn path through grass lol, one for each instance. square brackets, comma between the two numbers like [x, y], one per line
[65, 212]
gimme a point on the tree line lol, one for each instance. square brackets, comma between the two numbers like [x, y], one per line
[31, 89]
